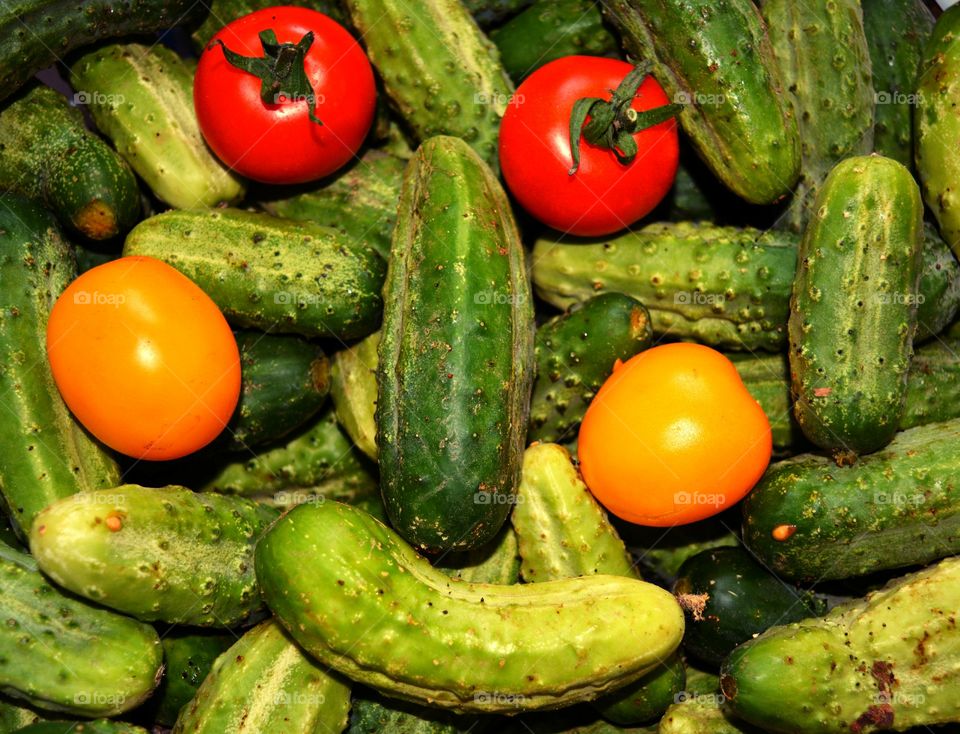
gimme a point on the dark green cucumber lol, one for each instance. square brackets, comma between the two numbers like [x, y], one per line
[716, 59]
[551, 29]
[373, 714]
[37, 33]
[265, 683]
[286, 380]
[222, 12]
[853, 312]
[729, 598]
[690, 200]
[660, 552]
[824, 63]
[939, 287]
[498, 562]
[456, 353]
[360, 600]
[354, 391]
[360, 203]
[157, 554]
[810, 520]
[88, 257]
[441, 72]
[100, 726]
[187, 658]
[48, 154]
[269, 273]
[142, 99]
[491, 12]
[49, 640]
[14, 716]
[896, 32]
[46, 454]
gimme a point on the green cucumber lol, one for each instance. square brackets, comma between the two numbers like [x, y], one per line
[939, 287]
[442, 74]
[48, 154]
[46, 454]
[456, 353]
[187, 658]
[100, 726]
[821, 53]
[222, 12]
[491, 12]
[662, 551]
[691, 199]
[265, 683]
[269, 273]
[157, 554]
[888, 661]
[716, 59]
[360, 203]
[896, 31]
[498, 562]
[573, 720]
[575, 354]
[937, 125]
[89, 258]
[354, 391]
[551, 29]
[14, 716]
[856, 285]
[49, 640]
[767, 378]
[809, 519]
[373, 714]
[703, 714]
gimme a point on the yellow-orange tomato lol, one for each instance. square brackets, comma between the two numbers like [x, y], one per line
[673, 437]
[144, 359]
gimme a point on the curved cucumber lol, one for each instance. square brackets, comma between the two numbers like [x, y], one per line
[354, 391]
[360, 600]
[157, 554]
[498, 562]
[187, 658]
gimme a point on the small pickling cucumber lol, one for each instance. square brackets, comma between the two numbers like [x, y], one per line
[498, 562]
[188, 655]
[353, 389]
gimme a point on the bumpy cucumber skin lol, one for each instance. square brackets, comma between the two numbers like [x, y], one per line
[821, 52]
[767, 378]
[896, 31]
[142, 99]
[939, 285]
[442, 73]
[47, 153]
[46, 454]
[268, 273]
[265, 683]
[703, 714]
[891, 509]
[376, 714]
[888, 661]
[14, 717]
[937, 125]
[360, 600]
[157, 554]
[575, 354]
[549, 30]
[714, 55]
[354, 392]
[222, 12]
[853, 310]
[64, 655]
[360, 203]
[491, 12]
[498, 562]
[456, 353]
[187, 658]
[100, 726]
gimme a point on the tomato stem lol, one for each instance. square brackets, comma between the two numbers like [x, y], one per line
[281, 70]
[613, 122]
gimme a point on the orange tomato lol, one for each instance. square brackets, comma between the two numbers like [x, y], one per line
[673, 437]
[144, 359]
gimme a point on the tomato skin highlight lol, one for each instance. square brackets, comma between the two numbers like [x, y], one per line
[144, 359]
[673, 437]
[279, 143]
[604, 195]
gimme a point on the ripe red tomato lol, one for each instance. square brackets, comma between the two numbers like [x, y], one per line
[604, 195]
[144, 359]
[279, 143]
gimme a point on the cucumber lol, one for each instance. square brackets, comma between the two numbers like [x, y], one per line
[498, 562]
[887, 661]
[767, 378]
[442, 74]
[691, 199]
[821, 53]
[265, 683]
[703, 714]
[937, 125]
[100, 726]
[142, 99]
[729, 598]
[187, 658]
[716, 59]
[48, 154]
[939, 285]
[157, 554]
[35, 34]
[361, 601]
[14, 717]
[574, 720]
[89, 258]
[810, 520]
[896, 31]
[46, 454]
[549, 30]
[373, 714]
[856, 285]
[61, 654]
[491, 12]
[222, 12]
[661, 551]
[360, 203]
[354, 391]
[268, 273]
[456, 353]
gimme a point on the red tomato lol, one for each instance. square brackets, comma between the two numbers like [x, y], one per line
[279, 143]
[144, 359]
[604, 195]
